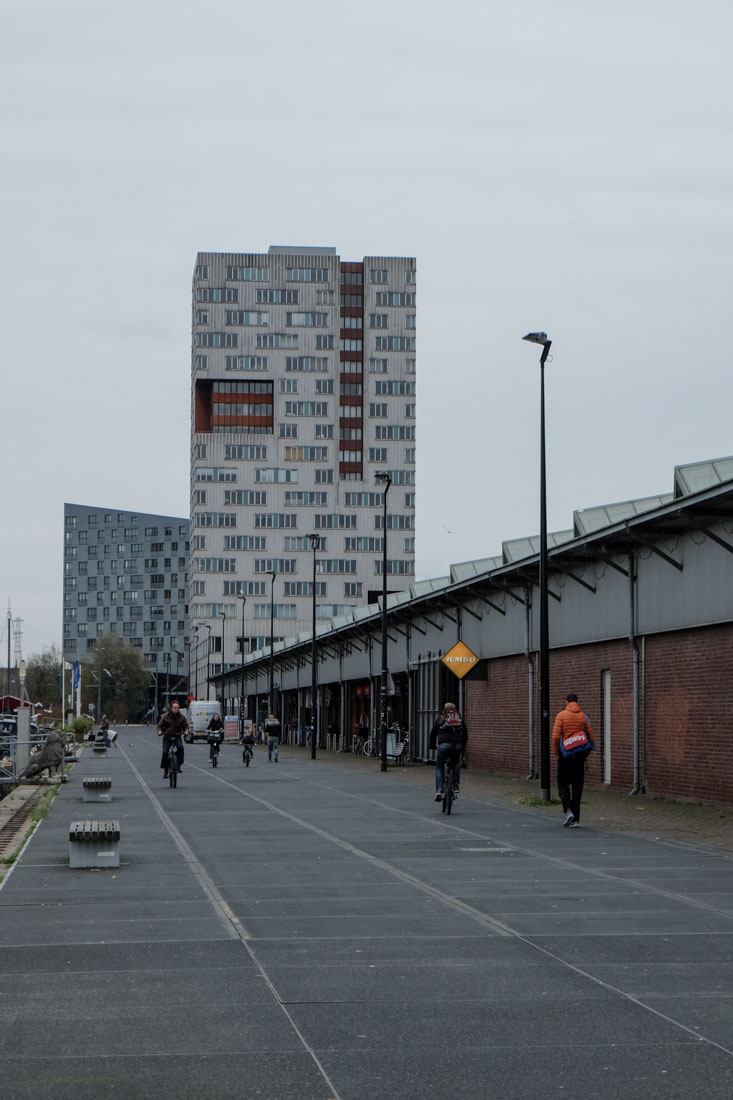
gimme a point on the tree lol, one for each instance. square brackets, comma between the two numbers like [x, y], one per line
[43, 677]
[122, 674]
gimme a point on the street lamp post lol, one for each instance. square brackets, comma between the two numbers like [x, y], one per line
[541, 338]
[241, 674]
[167, 663]
[98, 678]
[315, 541]
[207, 626]
[386, 480]
[271, 709]
[223, 636]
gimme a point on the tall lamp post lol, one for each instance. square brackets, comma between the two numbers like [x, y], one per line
[223, 637]
[271, 709]
[241, 673]
[207, 626]
[542, 339]
[315, 541]
[167, 692]
[386, 480]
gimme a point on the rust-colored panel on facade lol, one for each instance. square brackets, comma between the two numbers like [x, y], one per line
[242, 398]
[243, 421]
[351, 311]
[202, 406]
[351, 377]
[351, 356]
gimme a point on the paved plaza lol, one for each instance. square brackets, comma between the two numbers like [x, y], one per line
[320, 931]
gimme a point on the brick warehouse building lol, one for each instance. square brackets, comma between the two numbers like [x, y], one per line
[641, 627]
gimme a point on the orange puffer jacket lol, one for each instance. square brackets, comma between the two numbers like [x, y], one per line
[570, 720]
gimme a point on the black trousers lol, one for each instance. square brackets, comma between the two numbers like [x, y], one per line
[570, 780]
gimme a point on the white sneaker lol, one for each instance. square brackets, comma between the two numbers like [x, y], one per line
[568, 819]
[438, 796]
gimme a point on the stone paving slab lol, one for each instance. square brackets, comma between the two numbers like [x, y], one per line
[225, 1075]
[341, 937]
[600, 1070]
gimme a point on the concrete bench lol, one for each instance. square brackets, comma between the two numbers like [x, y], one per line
[97, 788]
[99, 748]
[94, 844]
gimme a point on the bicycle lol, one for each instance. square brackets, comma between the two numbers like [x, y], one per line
[172, 763]
[449, 790]
[370, 747]
[246, 755]
[214, 747]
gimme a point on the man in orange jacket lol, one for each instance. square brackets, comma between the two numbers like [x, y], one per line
[571, 769]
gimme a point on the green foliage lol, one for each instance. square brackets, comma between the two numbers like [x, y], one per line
[43, 677]
[41, 810]
[117, 675]
[80, 725]
[539, 803]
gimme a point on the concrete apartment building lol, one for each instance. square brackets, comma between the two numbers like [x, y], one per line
[302, 390]
[126, 573]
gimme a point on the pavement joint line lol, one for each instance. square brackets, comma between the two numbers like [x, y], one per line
[562, 862]
[469, 910]
[229, 921]
[234, 926]
[432, 891]
[476, 914]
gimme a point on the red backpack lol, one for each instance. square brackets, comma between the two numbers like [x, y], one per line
[573, 744]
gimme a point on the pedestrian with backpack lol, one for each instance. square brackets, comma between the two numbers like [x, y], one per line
[572, 742]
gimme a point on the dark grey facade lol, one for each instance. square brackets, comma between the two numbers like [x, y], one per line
[126, 573]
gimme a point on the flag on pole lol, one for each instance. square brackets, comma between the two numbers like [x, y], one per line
[77, 675]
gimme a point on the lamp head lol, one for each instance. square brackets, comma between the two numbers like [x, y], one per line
[384, 477]
[315, 541]
[537, 338]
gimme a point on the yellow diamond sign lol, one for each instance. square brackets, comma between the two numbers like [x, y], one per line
[460, 659]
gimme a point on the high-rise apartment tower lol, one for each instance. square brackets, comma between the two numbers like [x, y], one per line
[303, 389]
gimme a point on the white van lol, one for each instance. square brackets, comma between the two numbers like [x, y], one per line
[200, 714]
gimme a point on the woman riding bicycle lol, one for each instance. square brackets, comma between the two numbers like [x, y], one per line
[215, 733]
[449, 735]
[171, 728]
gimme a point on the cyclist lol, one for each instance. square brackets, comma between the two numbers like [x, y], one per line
[215, 732]
[449, 735]
[248, 743]
[171, 728]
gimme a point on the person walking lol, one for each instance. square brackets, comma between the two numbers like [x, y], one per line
[172, 727]
[572, 742]
[272, 732]
[104, 729]
[449, 735]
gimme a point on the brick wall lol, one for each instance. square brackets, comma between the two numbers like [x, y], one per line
[689, 714]
[686, 688]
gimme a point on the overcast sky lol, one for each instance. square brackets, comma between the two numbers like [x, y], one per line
[563, 166]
